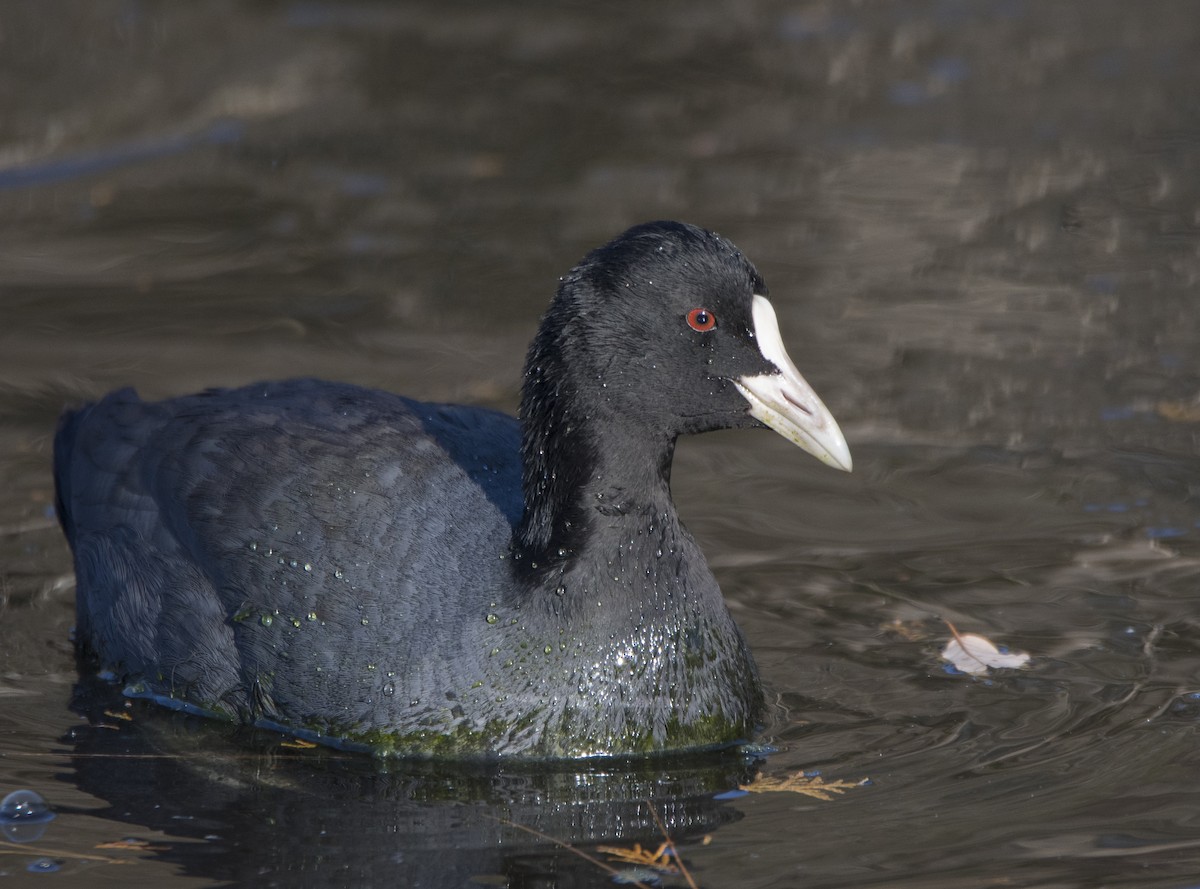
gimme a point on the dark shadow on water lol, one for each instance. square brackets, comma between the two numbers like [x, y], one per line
[274, 816]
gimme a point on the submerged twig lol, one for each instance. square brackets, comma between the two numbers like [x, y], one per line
[662, 828]
[669, 844]
[562, 844]
[7, 848]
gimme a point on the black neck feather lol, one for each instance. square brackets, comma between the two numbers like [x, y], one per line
[584, 464]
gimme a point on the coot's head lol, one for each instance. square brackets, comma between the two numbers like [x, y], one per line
[668, 330]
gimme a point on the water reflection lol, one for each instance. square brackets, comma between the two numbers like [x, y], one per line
[325, 818]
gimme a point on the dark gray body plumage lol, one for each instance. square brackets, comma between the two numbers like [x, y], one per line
[269, 554]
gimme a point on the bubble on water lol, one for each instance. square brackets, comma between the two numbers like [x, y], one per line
[43, 866]
[24, 816]
[24, 806]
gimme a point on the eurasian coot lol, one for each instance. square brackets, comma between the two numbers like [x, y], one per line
[374, 572]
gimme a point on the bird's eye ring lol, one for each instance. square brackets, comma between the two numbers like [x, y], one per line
[701, 320]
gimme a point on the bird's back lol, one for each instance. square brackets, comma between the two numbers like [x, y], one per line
[298, 547]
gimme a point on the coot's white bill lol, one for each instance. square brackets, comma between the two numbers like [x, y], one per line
[785, 402]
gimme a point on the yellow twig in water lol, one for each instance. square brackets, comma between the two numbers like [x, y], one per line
[658, 859]
[7, 848]
[809, 785]
[134, 845]
[607, 868]
[298, 744]
[662, 828]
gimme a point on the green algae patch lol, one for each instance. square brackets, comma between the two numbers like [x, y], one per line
[706, 732]
[450, 742]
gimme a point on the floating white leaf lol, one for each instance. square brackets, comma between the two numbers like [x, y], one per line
[974, 654]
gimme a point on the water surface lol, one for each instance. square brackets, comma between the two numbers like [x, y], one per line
[980, 223]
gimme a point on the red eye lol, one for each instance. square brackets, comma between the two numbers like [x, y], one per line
[701, 320]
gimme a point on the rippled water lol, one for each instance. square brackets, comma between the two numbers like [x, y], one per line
[980, 222]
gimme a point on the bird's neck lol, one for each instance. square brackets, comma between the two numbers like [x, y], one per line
[590, 478]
